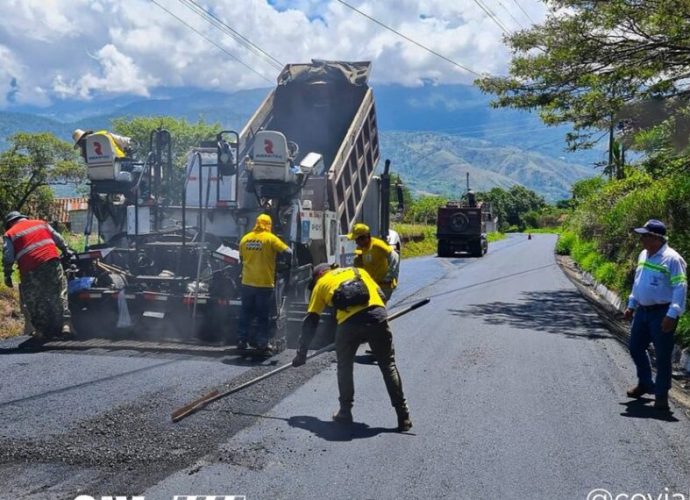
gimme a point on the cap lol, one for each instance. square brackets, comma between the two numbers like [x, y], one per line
[318, 271]
[13, 216]
[652, 226]
[358, 230]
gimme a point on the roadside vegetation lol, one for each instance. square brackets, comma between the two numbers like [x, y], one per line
[598, 236]
[615, 71]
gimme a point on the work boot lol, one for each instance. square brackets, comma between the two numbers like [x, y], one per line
[343, 416]
[265, 349]
[661, 403]
[404, 421]
[67, 331]
[638, 391]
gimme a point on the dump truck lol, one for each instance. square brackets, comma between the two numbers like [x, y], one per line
[166, 263]
[462, 226]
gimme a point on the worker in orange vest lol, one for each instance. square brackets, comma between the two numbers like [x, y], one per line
[33, 244]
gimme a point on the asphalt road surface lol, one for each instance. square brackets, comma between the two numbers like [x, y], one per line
[516, 390]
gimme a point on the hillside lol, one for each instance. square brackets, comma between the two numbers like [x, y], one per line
[451, 128]
[438, 163]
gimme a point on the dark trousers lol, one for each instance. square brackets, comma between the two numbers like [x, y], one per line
[348, 338]
[646, 328]
[256, 304]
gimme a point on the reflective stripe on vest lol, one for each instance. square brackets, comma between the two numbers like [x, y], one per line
[25, 232]
[33, 244]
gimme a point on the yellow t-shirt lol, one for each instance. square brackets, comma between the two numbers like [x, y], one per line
[322, 294]
[374, 260]
[258, 250]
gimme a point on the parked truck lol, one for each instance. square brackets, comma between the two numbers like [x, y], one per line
[462, 226]
[167, 265]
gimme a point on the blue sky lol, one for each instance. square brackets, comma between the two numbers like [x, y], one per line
[60, 49]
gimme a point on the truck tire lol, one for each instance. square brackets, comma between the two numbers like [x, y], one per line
[459, 222]
[444, 249]
[476, 249]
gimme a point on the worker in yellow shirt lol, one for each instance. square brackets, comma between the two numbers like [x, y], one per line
[361, 317]
[378, 258]
[258, 251]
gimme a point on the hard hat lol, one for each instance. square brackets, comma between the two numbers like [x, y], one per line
[358, 230]
[78, 135]
[12, 217]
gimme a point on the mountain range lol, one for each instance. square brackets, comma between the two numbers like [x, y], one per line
[434, 135]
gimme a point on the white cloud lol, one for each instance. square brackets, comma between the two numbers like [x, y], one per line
[58, 48]
[118, 74]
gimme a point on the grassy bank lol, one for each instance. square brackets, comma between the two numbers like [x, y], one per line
[11, 319]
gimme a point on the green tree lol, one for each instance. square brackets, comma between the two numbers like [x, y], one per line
[512, 206]
[184, 135]
[424, 208]
[586, 188]
[32, 162]
[589, 59]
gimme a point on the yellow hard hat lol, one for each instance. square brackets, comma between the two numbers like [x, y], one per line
[358, 230]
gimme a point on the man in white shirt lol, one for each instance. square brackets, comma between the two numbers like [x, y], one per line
[655, 304]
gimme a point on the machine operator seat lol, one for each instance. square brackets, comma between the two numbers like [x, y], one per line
[271, 160]
[105, 161]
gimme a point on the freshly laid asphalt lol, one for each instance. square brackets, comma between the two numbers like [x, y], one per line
[515, 388]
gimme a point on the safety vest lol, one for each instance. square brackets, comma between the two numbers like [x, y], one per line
[33, 244]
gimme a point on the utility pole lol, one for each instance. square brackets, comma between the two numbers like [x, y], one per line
[610, 165]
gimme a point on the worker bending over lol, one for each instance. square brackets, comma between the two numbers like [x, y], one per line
[33, 244]
[122, 145]
[361, 317]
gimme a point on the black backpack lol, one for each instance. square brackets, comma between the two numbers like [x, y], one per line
[353, 292]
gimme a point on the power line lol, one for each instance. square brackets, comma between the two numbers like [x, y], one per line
[224, 27]
[492, 16]
[214, 43]
[454, 63]
[524, 11]
[510, 14]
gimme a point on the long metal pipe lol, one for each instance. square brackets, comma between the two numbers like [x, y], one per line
[215, 395]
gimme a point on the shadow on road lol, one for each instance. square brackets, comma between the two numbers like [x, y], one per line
[561, 312]
[637, 408]
[333, 431]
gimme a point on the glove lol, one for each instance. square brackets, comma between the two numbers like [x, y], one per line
[8, 283]
[71, 254]
[299, 359]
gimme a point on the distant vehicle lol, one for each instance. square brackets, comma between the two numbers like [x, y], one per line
[461, 226]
